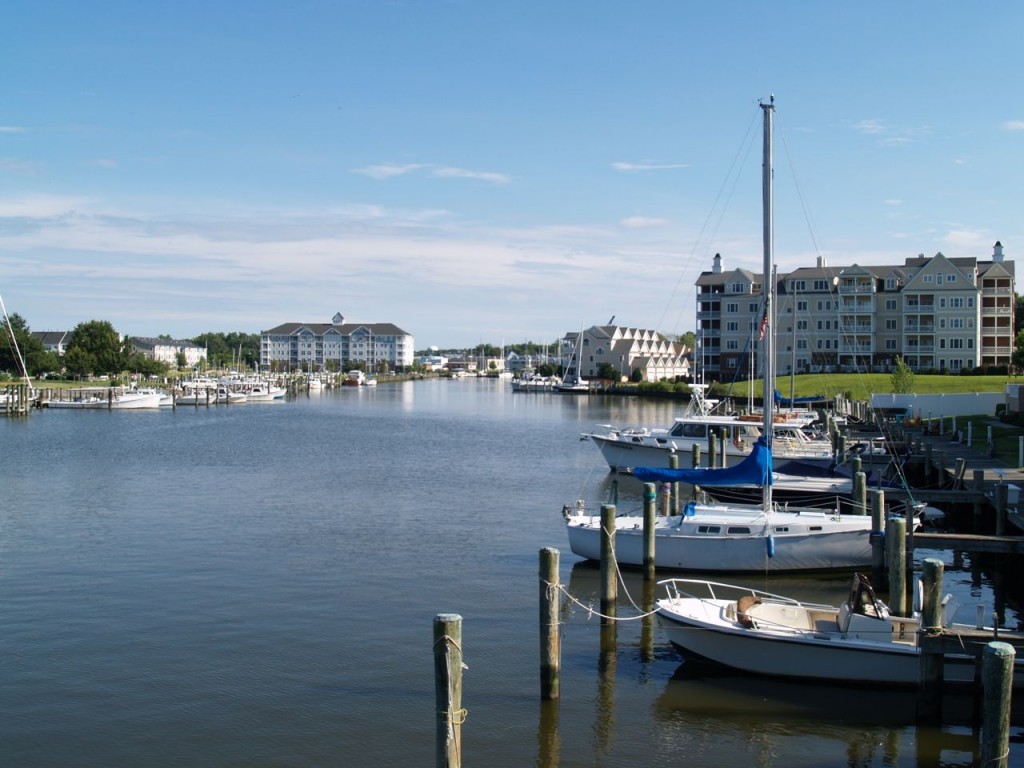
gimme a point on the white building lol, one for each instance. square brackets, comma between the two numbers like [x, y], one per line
[626, 350]
[167, 350]
[378, 347]
[936, 313]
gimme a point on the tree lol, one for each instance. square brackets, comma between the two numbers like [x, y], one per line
[1018, 351]
[902, 378]
[101, 345]
[28, 345]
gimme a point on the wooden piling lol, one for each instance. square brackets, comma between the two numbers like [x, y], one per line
[997, 684]
[609, 582]
[860, 484]
[550, 636]
[896, 565]
[1002, 492]
[932, 570]
[650, 509]
[712, 449]
[929, 703]
[673, 463]
[695, 456]
[877, 538]
[448, 690]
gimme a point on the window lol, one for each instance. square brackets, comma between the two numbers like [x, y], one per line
[801, 325]
[928, 278]
[732, 308]
[938, 279]
[752, 307]
[801, 306]
[732, 344]
[890, 305]
[890, 325]
[801, 343]
[951, 278]
[797, 285]
[890, 344]
[820, 285]
[732, 325]
[737, 288]
[890, 283]
[956, 323]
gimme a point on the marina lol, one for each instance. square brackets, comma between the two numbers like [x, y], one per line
[214, 586]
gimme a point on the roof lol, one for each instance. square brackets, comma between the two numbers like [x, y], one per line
[345, 329]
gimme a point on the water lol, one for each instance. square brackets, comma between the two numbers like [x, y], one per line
[256, 585]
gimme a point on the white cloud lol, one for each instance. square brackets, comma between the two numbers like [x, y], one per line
[12, 129]
[647, 166]
[1013, 125]
[387, 171]
[390, 171]
[103, 163]
[643, 222]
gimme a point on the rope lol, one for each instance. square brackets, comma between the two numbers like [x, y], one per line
[590, 610]
[452, 716]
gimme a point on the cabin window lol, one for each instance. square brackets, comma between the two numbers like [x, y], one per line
[738, 529]
[781, 529]
[695, 430]
[814, 527]
[709, 529]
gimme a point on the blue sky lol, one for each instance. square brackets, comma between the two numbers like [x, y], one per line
[481, 171]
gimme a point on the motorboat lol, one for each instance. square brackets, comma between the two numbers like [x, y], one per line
[109, 398]
[625, 448]
[859, 641]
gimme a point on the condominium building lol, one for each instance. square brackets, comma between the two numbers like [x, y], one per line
[625, 350]
[169, 351]
[937, 313]
[336, 345]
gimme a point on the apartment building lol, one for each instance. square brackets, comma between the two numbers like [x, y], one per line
[338, 345]
[625, 350]
[937, 313]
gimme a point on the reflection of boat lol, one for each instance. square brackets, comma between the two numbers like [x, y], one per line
[533, 382]
[857, 642]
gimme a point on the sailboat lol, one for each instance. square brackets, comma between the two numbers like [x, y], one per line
[573, 381]
[730, 537]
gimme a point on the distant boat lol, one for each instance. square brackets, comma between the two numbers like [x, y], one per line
[357, 378]
[114, 399]
[572, 382]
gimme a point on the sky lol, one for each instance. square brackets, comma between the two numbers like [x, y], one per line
[477, 171]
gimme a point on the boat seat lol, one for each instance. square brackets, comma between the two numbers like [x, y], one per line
[743, 605]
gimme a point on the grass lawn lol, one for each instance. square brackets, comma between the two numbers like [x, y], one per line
[860, 386]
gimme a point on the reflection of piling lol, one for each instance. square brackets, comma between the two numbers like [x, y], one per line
[608, 569]
[547, 735]
[647, 622]
[550, 647]
[448, 689]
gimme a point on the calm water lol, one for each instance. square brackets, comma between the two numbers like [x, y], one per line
[256, 586]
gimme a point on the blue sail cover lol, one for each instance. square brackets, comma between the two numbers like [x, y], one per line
[755, 469]
[780, 400]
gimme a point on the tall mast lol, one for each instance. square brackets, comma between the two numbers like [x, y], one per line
[769, 284]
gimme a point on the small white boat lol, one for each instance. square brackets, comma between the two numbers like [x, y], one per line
[114, 399]
[763, 633]
[357, 378]
[262, 392]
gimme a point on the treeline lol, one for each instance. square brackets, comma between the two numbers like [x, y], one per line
[95, 348]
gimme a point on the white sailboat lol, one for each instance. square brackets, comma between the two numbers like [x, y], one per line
[572, 382]
[722, 537]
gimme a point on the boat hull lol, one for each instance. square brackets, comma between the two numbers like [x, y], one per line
[688, 545]
[826, 657]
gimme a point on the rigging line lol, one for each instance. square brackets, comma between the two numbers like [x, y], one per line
[731, 174]
[799, 191]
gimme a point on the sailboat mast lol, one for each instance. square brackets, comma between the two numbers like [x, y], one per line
[769, 283]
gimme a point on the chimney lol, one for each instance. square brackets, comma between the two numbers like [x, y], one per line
[821, 262]
[997, 252]
[716, 264]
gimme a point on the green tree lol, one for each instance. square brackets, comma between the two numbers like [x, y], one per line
[102, 344]
[1018, 351]
[902, 378]
[78, 362]
[28, 345]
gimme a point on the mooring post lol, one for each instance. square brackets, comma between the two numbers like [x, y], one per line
[860, 484]
[896, 564]
[695, 455]
[877, 538]
[997, 688]
[979, 486]
[609, 584]
[650, 510]
[1002, 498]
[712, 449]
[929, 703]
[448, 689]
[550, 637]
[673, 463]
